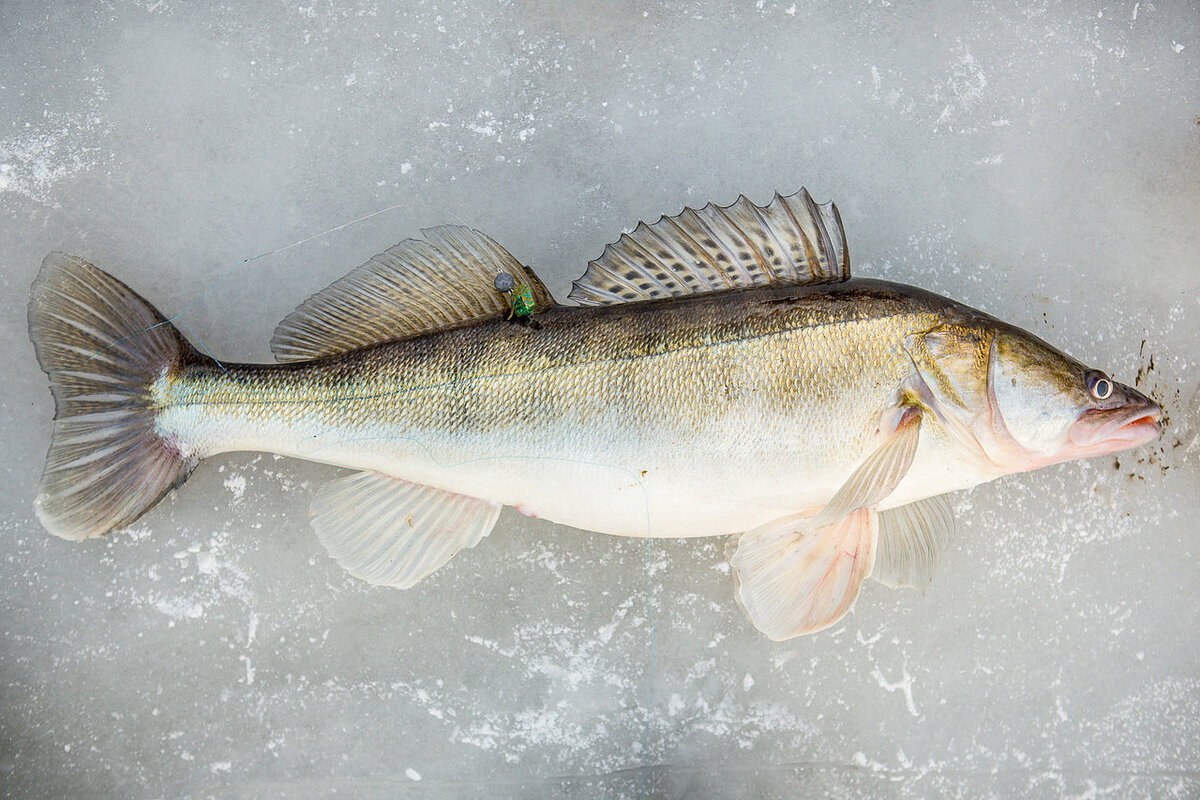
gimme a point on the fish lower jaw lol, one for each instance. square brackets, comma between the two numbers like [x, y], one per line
[1089, 441]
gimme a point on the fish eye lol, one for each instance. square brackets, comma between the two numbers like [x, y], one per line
[1099, 385]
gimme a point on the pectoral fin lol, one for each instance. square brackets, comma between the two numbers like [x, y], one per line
[390, 532]
[878, 476]
[911, 540]
[797, 575]
[792, 582]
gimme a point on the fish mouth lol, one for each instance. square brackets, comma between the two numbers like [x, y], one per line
[1107, 430]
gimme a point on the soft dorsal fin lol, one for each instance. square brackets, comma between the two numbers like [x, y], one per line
[414, 287]
[791, 240]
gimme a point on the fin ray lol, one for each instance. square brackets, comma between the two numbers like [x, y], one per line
[878, 476]
[794, 580]
[414, 287]
[390, 532]
[791, 240]
[911, 540]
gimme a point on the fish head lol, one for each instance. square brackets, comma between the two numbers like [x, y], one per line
[1016, 403]
[1056, 409]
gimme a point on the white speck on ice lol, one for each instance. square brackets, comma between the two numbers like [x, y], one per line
[747, 682]
[58, 147]
[205, 562]
[405, 168]
[1176, 46]
[1058, 708]
[180, 608]
[220, 766]
[903, 685]
[236, 484]
[412, 774]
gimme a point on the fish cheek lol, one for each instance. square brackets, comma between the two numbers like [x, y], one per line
[1036, 394]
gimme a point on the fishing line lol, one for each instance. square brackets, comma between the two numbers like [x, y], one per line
[650, 622]
[637, 478]
[200, 343]
[229, 271]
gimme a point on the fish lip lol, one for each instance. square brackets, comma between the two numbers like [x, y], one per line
[1103, 430]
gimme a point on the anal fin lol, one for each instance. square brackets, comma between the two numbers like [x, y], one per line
[390, 532]
[793, 581]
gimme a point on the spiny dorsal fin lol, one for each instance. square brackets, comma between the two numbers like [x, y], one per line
[414, 287]
[791, 240]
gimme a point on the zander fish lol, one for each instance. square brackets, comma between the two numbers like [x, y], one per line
[722, 373]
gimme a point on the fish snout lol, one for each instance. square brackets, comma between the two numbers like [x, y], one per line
[1125, 420]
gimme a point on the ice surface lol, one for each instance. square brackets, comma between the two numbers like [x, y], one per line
[1040, 161]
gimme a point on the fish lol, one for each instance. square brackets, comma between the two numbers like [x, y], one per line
[719, 373]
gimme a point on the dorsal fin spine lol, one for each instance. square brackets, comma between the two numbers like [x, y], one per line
[724, 243]
[636, 248]
[731, 247]
[814, 212]
[768, 267]
[627, 254]
[616, 252]
[701, 251]
[837, 218]
[810, 254]
[687, 260]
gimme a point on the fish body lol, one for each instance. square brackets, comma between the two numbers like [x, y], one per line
[723, 374]
[693, 416]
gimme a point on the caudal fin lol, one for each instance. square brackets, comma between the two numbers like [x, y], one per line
[102, 346]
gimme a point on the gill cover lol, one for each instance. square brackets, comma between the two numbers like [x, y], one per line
[954, 363]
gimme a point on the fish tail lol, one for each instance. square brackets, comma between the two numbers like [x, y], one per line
[103, 347]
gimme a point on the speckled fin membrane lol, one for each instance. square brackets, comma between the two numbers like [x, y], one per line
[791, 240]
[911, 540]
[792, 581]
[391, 532]
[102, 346]
[414, 287]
